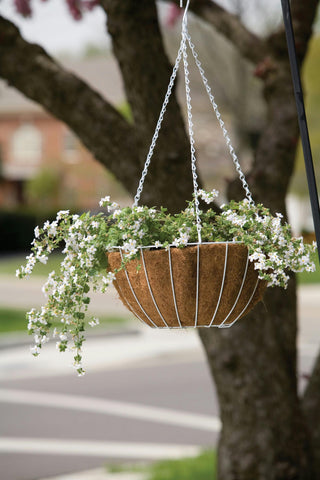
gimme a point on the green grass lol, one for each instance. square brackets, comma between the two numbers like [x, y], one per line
[14, 320]
[9, 265]
[202, 467]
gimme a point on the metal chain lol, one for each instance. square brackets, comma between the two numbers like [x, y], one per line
[160, 119]
[221, 122]
[182, 53]
[190, 125]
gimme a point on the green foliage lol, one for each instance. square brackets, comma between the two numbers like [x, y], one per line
[43, 190]
[311, 75]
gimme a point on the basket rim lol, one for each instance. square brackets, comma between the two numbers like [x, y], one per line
[171, 245]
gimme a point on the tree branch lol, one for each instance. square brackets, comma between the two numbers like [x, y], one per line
[303, 18]
[97, 123]
[250, 46]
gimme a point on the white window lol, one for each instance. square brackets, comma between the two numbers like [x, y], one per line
[70, 143]
[27, 144]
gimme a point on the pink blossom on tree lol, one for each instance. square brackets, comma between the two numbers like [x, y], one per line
[174, 13]
[76, 7]
[23, 7]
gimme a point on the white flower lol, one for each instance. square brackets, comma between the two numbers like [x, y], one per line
[104, 201]
[184, 239]
[109, 278]
[78, 223]
[62, 213]
[274, 257]
[115, 214]
[311, 267]
[52, 229]
[305, 260]
[94, 322]
[43, 259]
[95, 224]
[113, 206]
[208, 197]
[28, 269]
[37, 232]
[35, 350]
[158, 244]
[91, 250]
[130, 246]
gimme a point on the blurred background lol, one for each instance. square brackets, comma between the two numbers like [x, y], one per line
[135, 405]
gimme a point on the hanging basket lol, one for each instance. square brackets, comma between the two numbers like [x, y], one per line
[203, 285]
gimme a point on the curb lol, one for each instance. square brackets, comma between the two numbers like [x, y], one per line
[99, 474]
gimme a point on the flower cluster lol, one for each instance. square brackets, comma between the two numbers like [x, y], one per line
[272, 249]
[87, 238]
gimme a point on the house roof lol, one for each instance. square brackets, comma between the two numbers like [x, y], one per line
[101, 73]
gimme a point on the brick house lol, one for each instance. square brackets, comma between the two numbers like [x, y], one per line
[32, 141]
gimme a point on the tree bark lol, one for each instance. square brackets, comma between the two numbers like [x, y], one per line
[311, 408]
[250, 46]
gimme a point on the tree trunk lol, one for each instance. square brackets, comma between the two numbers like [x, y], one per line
[265, 434]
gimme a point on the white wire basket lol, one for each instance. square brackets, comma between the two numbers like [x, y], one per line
[200, 285]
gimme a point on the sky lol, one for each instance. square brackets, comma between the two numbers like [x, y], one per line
[53, 27]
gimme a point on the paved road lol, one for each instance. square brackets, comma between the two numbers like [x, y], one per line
[153, 407]
[147, 395]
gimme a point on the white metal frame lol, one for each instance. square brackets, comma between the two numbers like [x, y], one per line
[222, 323]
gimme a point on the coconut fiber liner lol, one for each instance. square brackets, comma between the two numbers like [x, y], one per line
[225, 300]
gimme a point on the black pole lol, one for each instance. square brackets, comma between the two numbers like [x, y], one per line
[314, 199]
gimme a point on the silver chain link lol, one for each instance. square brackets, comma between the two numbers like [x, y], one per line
[159, 123]
[221, 122]
[190, 125]
[182, 53]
